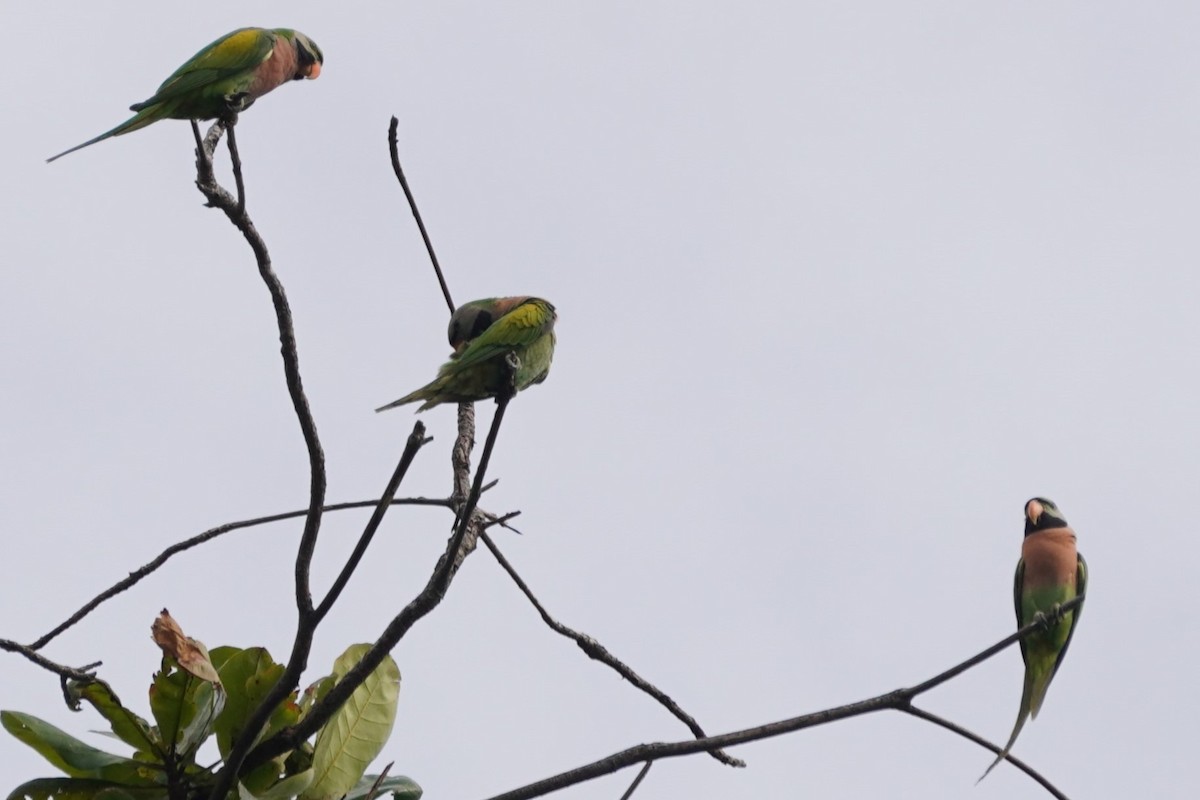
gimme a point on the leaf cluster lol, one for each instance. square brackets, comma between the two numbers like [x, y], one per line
[197, 698]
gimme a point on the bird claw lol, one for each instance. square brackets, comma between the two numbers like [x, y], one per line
[236, 103]
[1049, 618]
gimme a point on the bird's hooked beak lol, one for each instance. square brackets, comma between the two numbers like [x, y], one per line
[1033, 511]
[310, 57]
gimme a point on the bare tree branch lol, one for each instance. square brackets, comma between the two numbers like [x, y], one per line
[305, 631]
[306, 622]
[393, 147]
[236, 158]
[979, 740]
[428, 599]
[598, 652]
[415, 441]
[74, 673]
[899, 700]
[219, 198]
[141, 572]
[637, 781]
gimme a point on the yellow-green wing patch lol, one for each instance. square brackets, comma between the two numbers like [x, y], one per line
[239, 51]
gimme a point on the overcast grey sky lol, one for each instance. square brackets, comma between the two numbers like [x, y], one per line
[840, 286]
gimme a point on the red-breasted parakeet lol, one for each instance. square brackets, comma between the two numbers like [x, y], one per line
[225, 77]
[1051, 572]
[483, 333]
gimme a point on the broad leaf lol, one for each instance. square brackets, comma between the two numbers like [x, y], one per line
[184, 706]
[208, 699]
[350, 740]
[81, 789]
[286, 789]
[126, 726]
[247, 675]
[78, 759]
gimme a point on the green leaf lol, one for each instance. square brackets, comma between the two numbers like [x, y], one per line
[286, 789]
[126, 726]
[402, 788]
[185, 708]
[208, 699]
[350, 740]
[76, 758]
[219, 655]
[248, 676]
[81, 789]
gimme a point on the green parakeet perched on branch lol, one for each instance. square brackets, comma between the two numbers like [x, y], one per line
[1051, 572]
[227, 76]
[483, 333]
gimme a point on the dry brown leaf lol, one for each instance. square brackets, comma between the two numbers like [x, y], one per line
[190, 654]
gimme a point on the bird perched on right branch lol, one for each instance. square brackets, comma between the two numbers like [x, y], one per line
[498, 342]
[1051, 572]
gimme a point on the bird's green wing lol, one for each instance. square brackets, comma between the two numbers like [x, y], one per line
[518, 328]
[237, 52]
[1018, 585]
[1080, 588]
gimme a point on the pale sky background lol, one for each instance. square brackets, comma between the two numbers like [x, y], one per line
[840, 286]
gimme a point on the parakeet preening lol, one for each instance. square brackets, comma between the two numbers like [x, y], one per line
[482, 334]
[227, 76]
[1051, 572]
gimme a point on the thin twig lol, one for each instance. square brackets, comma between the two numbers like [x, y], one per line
[220, 198]
[428, 599]
[979, 740]
[394, 148]
[304, 635]
[899, 700]
[63, 671]
[415, 441]
[199, 142]
[200, 538]
[502, 520]
[598, 652]
[958, 669]
[637, 781]
[460, 456]
[236, 159]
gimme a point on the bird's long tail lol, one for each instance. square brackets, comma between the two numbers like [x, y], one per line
[139, 120]
[1022, 715]
[427, 393]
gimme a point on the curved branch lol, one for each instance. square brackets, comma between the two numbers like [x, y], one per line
[979, 740]
[394, 149]
[141, 572]
[235, 210]
[599, 652]
[428, 599]
[62, 671]
[415, 441]
[219, 198]
[637, 781]
[898, 700]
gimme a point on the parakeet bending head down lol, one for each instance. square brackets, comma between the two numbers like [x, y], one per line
[225, 77]
[482, 334]
[1051, 572]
